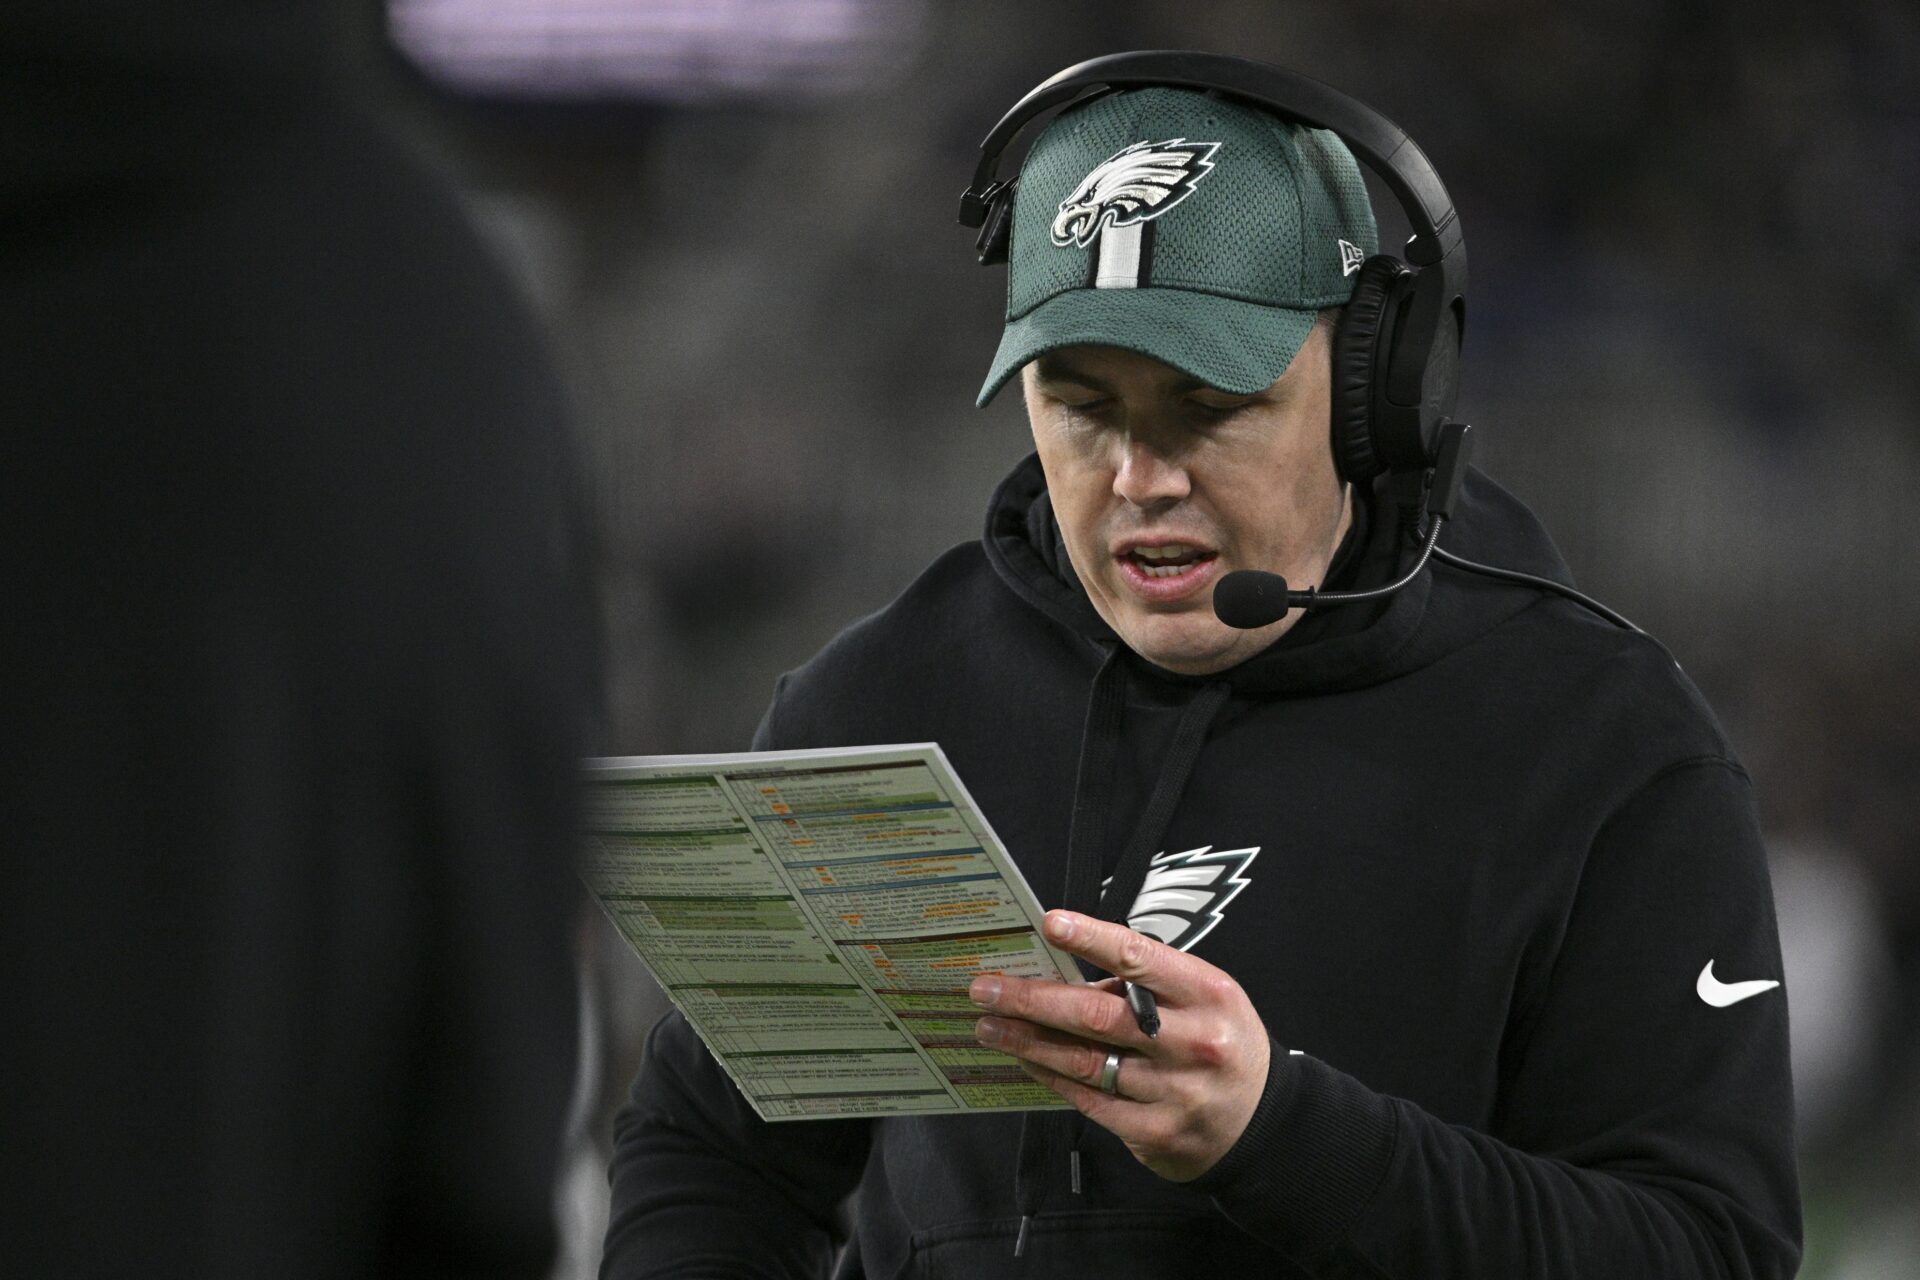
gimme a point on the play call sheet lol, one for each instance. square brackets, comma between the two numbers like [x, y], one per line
[818, 916]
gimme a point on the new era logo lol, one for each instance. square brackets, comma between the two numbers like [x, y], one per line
[1350, 258]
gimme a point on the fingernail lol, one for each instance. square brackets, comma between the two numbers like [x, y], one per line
[1060, 926]
[990, 1030]
[984, 990]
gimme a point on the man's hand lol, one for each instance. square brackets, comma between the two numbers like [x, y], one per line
[1182, 1099]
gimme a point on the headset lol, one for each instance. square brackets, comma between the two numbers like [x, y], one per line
[1396, 352]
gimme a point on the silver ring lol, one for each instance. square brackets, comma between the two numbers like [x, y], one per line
[1109, 1081]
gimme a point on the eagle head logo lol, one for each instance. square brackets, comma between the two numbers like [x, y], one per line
[1185, 893]
[1134, 184]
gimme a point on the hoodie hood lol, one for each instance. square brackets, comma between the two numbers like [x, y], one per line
[1331, 649]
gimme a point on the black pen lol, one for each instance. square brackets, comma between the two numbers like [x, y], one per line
[1146, 1011]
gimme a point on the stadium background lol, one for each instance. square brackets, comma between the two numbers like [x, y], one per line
[1690, 348]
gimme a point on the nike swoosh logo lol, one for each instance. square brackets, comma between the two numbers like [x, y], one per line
[1721, 994]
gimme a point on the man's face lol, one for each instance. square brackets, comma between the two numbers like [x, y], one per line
[1162, 485]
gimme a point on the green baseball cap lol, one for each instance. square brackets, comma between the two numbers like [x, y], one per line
[1188, 227]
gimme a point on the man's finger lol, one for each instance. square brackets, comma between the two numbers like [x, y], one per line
[1118, 1115]
[1084, 1011]
[1168, 973]
[1070, 1056]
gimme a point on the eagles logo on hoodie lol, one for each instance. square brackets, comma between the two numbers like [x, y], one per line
[1185, 893]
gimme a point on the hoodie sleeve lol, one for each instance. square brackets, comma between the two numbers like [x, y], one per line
[1639, 1131]
[702, 1186]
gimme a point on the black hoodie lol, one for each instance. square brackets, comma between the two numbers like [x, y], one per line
[1496, 841]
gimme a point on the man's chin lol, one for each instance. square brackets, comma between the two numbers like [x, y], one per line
[1194, 643]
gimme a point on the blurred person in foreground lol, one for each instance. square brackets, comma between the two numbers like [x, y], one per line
[296, 636]
[1430, 888]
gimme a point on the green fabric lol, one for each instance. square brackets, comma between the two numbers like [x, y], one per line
[1239, 347]
[1239, 262]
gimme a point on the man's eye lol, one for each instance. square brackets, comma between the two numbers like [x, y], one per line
[1088, 407]
[1214, 412]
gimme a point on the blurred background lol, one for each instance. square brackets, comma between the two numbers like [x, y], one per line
[1690, 348]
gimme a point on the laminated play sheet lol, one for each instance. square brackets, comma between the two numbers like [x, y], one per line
[818, 917]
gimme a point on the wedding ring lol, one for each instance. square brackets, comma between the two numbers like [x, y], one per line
[1109, 1081]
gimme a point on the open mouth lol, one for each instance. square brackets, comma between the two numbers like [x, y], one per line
[1168, 561]
[1169, 573]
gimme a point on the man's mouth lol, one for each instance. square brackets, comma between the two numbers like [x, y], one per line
[1169, 560]
[1166, 573]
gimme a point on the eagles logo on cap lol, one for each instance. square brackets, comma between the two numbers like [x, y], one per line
[1133, 185]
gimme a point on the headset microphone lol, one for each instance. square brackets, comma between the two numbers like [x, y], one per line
[1250, 598]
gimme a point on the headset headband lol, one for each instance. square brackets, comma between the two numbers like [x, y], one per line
[1375, 140]
[1437, 246]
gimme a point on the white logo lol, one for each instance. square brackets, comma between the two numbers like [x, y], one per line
[1133, 185]
[1721, 994]
[1350, 258]
[1184, 893]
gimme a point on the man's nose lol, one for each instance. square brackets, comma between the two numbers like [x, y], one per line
[1146, 477]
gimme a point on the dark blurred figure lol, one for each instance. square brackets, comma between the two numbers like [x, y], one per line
[297, 665]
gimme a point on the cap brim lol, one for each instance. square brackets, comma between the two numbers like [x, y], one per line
[1239, 347]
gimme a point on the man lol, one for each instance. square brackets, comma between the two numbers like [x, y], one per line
[1429, 881]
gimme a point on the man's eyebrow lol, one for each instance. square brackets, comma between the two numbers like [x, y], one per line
[1054, 369]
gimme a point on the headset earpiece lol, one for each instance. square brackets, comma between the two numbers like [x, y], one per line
[1361, 354]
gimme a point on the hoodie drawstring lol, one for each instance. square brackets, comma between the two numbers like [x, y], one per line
[1044, 1135]
[1116, 900]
